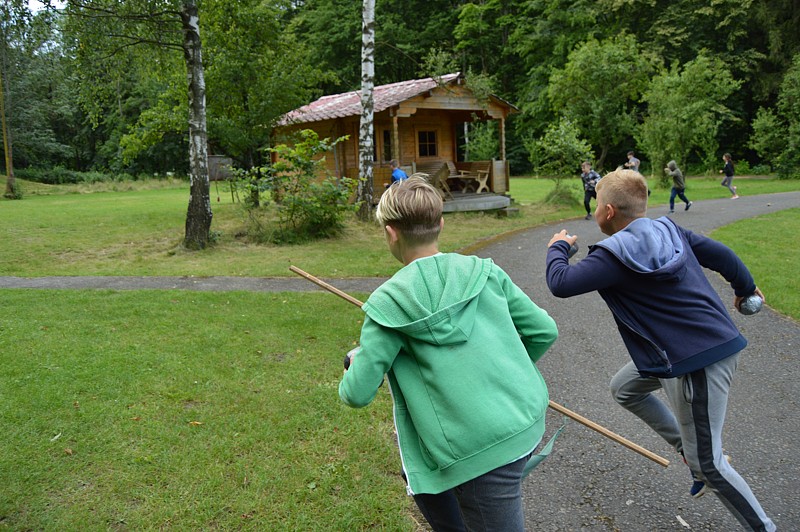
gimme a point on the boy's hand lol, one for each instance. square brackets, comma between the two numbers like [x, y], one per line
[569, 239]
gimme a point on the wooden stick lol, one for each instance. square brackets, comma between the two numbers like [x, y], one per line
[608, 434]
[555, 406]
[326, 286]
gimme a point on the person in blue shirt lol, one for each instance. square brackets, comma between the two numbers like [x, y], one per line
[397, 173]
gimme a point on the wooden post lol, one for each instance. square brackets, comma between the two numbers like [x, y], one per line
[502, 127]
[396, 138]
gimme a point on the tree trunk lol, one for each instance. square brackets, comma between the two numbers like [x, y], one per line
[365, 136]
[602, 159]
[11, 185]
[198, 216]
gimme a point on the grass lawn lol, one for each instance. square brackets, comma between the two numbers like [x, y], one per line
[767, 246]
[204, 410]
[188, 411]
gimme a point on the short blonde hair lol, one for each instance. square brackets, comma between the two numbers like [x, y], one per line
[626, 190]
[414, 208]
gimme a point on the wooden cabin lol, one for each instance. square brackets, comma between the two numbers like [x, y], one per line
[418, 123]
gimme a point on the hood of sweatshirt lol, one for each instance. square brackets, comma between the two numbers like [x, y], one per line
[650, 247]
[433, 299]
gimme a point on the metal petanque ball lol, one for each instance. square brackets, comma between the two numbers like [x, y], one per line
[349, 356]
[750, 305]
[573, 249]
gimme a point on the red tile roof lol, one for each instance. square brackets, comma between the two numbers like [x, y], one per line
[349, 103]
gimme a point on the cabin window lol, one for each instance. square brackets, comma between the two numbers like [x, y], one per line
[426, 141]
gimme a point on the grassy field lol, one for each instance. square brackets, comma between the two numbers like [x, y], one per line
[149, 410]
[61, 230]
[188, 411]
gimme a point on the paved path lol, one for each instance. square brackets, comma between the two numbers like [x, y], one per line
[590, 483]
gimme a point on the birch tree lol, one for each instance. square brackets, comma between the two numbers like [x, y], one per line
[108, 29]
[365, 134]
[13, 17]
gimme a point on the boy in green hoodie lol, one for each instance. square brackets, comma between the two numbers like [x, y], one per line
[457, 340]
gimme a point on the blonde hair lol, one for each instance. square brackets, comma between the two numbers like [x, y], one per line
[626, 190]
[414, 208]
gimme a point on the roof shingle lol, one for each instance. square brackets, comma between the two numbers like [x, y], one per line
[349, 103]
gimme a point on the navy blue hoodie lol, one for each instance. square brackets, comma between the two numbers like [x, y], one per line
[651, 276]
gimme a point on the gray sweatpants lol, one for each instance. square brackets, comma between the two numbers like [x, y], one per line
[692, 423]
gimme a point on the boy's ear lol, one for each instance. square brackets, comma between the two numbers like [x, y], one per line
[391, 234]
[441, 224]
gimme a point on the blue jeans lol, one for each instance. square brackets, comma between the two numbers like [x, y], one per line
[490, 502]
[677, 192]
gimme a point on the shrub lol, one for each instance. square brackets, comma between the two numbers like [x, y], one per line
[761, 169]
[311, 203]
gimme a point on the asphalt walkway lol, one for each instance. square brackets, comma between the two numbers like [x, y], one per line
[590, 483]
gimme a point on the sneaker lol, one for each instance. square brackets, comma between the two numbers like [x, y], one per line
[698, 488]
[588, 217]
[687, 206]
[735, 197]
[671, 211]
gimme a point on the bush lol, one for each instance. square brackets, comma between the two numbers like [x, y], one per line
[742, 167]
[311, 203]
[761, 169]
[562, 195]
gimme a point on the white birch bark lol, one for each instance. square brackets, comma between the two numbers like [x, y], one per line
[365, 134]
[198, 215]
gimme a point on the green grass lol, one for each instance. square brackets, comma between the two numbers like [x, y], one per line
[767, 244]
[189, 411]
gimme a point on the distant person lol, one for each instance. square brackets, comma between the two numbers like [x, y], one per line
[633, 163]
[458, 343]
[398, 174]
[589, 178]
[678, 186]
[676, 329]
[727, 181]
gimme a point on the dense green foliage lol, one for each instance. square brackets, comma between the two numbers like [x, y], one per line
[626, 73]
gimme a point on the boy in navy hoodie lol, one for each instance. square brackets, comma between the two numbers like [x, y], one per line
[676, 328]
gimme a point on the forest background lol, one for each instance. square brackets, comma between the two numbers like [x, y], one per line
[684, 80]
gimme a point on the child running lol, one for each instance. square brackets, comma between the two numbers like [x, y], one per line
[676, 329]
[458, 341]
[727, 181]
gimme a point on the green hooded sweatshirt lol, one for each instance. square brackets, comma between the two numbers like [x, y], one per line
[458, 341]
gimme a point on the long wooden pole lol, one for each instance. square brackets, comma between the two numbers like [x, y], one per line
[555, 406]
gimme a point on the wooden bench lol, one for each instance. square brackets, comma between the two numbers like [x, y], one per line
[475, 174]
[437, 173]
